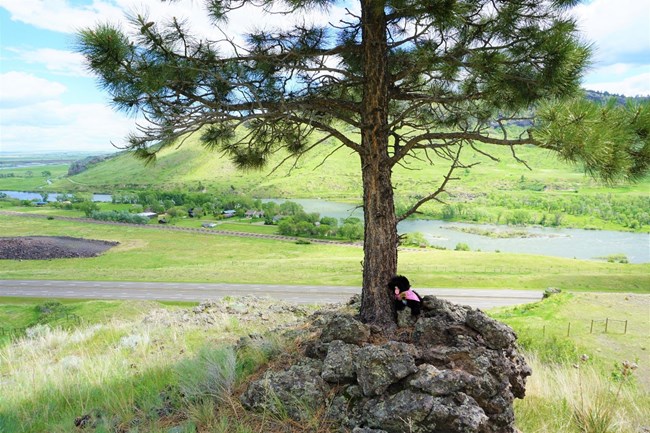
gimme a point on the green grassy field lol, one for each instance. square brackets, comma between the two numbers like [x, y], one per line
[330, 173]
[150, 254]
[31, 178]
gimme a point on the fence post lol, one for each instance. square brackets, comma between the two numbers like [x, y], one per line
[625, 331]
[544, 331]
[568, 331]
[606, 324]
[591, 328]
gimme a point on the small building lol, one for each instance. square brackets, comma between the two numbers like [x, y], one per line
[229, 213]
[208, 225]
[254, 214]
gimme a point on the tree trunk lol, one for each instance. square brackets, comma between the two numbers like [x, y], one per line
[380, 241]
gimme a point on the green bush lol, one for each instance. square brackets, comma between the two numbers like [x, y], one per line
[119, 216]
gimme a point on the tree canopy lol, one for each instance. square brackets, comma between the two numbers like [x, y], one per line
[420, 79]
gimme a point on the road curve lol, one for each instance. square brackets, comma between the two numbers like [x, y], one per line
[122, 290]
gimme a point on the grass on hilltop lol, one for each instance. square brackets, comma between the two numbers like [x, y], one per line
[329, 173]
[143, 367]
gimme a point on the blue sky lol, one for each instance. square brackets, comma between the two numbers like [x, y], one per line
[49, 102]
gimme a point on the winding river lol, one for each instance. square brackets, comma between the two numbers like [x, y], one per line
[571, 243]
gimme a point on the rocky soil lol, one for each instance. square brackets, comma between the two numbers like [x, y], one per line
[51, 247]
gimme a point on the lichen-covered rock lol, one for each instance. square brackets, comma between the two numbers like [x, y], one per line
[404, 411]
[338, 365]
[405, 319]
[367, 430]
[496, 334]
[378, 367]
[457, 413]
[295, 391]
[441, 382]
[457, 371]
[345, 328]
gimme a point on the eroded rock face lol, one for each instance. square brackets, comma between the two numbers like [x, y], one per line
[454, 370]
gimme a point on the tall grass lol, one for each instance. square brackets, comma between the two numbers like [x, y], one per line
[561, 398]
[162, 371]
[137, 375]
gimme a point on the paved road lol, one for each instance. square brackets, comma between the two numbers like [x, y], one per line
[201, 291]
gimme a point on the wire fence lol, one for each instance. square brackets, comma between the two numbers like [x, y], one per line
[596, 326]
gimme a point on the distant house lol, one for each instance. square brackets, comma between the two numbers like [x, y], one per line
[208, 225]
[254, 214]
[229, 213]
[41, 203]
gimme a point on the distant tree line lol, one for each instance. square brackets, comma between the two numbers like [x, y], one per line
[632, 212]
[28, 173]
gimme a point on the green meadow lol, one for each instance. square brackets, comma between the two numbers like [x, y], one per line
[31, 178]
[153, 254]
[586, 378]
[334, 173]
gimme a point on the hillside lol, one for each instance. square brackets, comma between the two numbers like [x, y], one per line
[326, 172]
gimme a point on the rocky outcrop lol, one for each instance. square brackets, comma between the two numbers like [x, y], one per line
[84, 164]
[454, 370]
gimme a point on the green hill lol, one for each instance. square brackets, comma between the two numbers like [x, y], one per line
[192, 167]
[328, 172]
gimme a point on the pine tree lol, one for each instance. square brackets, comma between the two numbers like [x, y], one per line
[414, 78]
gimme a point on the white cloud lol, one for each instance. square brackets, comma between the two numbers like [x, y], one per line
[637, 85]
[51, 125]
[618, 28]
[19, 88]
[56, 61]
[66, 17]
[60, 15]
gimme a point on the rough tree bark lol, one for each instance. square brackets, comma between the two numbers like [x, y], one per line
[380, 240]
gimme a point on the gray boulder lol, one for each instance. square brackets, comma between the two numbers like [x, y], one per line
[378, 367]
[338, 365]
[345, 328]
[296, 391]
[455, 370]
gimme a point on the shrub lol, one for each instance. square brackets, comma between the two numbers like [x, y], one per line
[416, 239]
[119, 216]
[461, 246]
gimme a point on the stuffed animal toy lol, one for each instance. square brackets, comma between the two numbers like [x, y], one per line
[404, 295]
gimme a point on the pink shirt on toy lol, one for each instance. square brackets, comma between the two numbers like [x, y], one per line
[407, 295]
